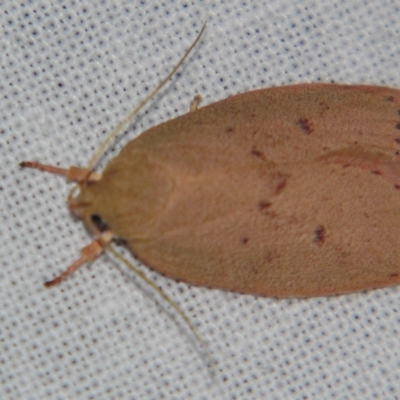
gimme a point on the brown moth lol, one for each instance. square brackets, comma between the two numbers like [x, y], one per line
[287, 191]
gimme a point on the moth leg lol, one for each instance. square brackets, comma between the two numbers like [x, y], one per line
[194, 105]
[76, 174]
[88, 253]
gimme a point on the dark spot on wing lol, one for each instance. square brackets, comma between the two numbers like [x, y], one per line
[255, 271]
[245, 240]
[390, 98]
[257, 153]
[324, 107]
[264, 206]
[319, 235]
[279, 181]
[281, 185]
[270, 256]
[229, 129]
[306, 125]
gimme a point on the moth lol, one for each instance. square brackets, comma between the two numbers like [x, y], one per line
[289, 191]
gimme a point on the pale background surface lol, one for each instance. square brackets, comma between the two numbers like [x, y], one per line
[70, 71]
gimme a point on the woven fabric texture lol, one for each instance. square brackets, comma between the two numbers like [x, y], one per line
[70, 72]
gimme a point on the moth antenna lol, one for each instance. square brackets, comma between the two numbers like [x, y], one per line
[122, 126]
[88, 253]
[170, 302]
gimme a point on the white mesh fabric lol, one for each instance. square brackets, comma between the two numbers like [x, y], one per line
[70, 71]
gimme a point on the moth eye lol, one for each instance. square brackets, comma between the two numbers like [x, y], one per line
[100, 224]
